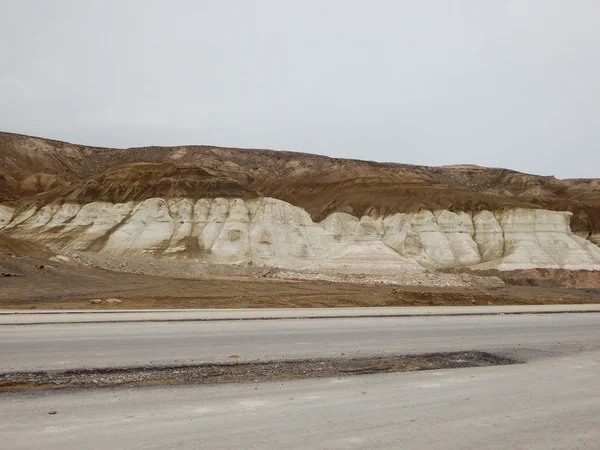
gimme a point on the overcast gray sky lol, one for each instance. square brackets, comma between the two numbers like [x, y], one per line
[497, 83]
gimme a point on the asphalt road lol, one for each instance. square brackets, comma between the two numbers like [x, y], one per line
[65, 346]
[549, 403]
[8, 317]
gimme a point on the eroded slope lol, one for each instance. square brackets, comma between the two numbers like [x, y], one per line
[286, 209]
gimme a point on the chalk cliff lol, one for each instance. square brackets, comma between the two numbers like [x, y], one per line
[275, 233]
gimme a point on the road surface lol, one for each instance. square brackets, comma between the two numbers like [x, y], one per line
[546, 404]
[67, 346]
[550, 401]
[8, 317]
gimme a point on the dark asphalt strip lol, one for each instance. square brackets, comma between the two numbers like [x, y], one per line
[244, 372]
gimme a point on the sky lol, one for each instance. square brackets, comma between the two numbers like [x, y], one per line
[511, 83]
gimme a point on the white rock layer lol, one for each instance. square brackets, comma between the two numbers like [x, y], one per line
[6, 214]
[274, 233]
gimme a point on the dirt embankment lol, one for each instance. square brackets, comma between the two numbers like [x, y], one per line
[35, 277]
[40, 279]
[546, 278]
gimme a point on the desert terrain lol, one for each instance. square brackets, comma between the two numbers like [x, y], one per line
[208, 227]
[69, 285]
[195, 273]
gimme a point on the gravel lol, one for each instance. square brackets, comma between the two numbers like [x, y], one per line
[244, 371]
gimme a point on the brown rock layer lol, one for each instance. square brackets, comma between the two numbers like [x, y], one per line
[321, 185]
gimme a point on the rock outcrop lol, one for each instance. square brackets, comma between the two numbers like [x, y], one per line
[274, 233]
[6, 214]
[292, 210]
[318, 184]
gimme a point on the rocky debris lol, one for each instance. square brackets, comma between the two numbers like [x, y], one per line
[432, 278]
[267, 273]
[60, 259]
[552, 278]
[193, 269]
[110, 301]
[5, 274]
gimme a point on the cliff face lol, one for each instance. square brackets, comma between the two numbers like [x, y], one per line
[275, 233]
[292, 210]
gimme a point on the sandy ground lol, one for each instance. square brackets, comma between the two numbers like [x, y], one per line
[34, 279]
[70, 286]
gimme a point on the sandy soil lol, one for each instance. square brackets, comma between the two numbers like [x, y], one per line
[39, 283]
[33, 278]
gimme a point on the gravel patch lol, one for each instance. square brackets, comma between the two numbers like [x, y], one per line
[244, 371]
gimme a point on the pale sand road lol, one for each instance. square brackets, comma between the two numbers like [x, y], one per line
[63, 346]
[549, 403]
